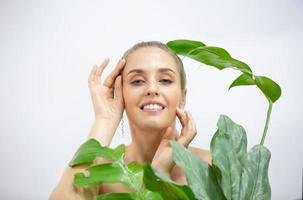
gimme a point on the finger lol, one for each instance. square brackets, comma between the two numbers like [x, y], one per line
[100, 69]
[93, 73]
[192, 122]
[192, 127]
[91, 76]
[188, 132]
[109, 81]
[118, 88]
[182, 117]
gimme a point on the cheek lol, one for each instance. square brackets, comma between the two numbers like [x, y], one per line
[174, 97]
[127, 92]
[173, 100]
[130, 97]
[126, 98]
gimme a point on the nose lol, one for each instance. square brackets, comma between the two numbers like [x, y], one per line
[152, 89]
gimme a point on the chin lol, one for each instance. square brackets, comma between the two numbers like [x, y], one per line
[154, 124]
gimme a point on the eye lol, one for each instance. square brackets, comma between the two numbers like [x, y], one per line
[166, 81]
[137, 82]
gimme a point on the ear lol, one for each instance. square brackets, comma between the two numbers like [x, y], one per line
[183, 99]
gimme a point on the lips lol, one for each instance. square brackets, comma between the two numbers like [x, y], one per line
[152, 105]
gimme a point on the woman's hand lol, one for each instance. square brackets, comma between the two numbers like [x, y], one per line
[107, 97]
[163, 159]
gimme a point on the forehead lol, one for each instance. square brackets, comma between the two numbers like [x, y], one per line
[148, 59]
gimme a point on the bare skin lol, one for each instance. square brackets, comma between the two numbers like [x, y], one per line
[148, 77]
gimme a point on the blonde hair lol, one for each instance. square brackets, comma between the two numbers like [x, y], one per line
[164, 47]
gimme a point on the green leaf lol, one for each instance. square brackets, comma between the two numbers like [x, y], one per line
[228, 146]
[221, 59]
[213, 56]
[182, 47]
[255, 183]
[242, 175]
[168, 189]
[91, 149]
[109, 173]
[149, 195]
[116, 172]
[200, 176]
[134, 175]
[217, 57]
[269, 88]
[243, 79]
[234, 133]
[115, 196]
[139, 195]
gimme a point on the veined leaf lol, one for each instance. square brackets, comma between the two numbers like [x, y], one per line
[115, 196]
[221, 59]
[140, 195]
[200, 176]
[242, 175]
[228, 147]
[134, 173]
[149, 195]
[213, 56]
[182, 47]
[243, 79]
[116, 172]
[91, 149]
[108, 172]
[227, 129]
[168, 189]
[255, 184]
[217, 57]
[269, 88]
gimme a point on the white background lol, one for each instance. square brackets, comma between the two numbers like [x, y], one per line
[48, 48]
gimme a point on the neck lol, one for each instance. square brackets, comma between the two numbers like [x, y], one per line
[144, 144]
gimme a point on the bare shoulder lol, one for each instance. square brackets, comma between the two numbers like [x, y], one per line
[201, 153]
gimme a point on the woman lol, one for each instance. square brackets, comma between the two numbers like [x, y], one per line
[149, 83]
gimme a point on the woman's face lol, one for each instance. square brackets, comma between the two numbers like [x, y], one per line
[152, 88]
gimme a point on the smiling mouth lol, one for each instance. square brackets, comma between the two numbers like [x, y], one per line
[154, 108]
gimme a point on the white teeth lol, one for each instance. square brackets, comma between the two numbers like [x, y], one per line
[152, 107]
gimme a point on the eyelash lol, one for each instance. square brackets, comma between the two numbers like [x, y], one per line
[167, 81]
[138, 82]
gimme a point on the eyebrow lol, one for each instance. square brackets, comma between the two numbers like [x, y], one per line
[140, 71]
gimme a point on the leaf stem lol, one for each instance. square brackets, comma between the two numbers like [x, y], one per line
[267, 121]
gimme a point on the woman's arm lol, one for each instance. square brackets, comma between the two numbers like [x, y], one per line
[108, 107]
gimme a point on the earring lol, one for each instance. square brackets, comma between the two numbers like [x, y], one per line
[122, 126]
